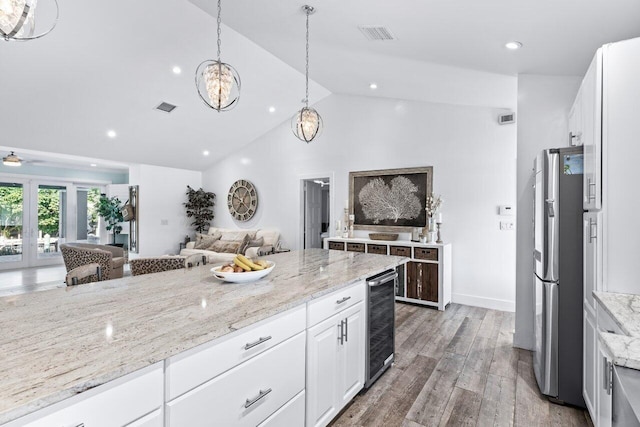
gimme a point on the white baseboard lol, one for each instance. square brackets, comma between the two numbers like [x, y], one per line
[491, 303]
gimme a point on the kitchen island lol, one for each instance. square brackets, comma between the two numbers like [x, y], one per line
[62, 342]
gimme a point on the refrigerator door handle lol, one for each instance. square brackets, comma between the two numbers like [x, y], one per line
[550, 210]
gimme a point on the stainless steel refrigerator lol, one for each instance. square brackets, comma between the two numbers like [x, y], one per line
[557, 359]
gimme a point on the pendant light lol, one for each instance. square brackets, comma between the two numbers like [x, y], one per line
[18, 19]
[12, 160]
[307, 123]
[218, 83]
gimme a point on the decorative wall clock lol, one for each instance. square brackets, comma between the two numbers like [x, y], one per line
[242, 200]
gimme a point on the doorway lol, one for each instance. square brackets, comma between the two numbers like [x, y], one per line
[37, 216]
[316, 211]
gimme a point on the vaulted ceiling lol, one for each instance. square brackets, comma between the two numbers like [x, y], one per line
[108, 64]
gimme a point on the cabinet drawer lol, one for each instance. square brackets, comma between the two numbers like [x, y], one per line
[190, 369]
[606, 323]
[426, 253]
[335, 302]
[338, 246]
[355, 247]
[154, 419]
[400, 251]
[118, 402]
[247, 394]
[291, 414]
[377, 249]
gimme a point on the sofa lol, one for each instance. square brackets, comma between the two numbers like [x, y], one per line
[110, 258]
[165, 263]
[219, 244]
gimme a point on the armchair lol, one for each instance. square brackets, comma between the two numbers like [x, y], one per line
[110, 258]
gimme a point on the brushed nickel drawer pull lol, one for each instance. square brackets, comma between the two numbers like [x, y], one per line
[255, 343]
[340, 301]
[251, 402]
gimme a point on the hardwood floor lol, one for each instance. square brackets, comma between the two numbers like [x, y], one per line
[457, 368]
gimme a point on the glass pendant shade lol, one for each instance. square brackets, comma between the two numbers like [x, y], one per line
[218, 85]
[18, 19]
[306, 124]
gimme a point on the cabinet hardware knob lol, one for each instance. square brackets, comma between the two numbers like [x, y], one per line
[340, 301]
[261, 394]
[258, 342]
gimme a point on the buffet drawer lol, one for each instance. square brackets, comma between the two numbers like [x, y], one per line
[400, 251]
[355, 247]
[339, 246]
[192, 368]
[333, 303]
[247, 394]
[430, 254]
[118, 402]
[377, 249]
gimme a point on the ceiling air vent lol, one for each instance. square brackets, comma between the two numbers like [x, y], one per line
[376, 32]
[166, 107]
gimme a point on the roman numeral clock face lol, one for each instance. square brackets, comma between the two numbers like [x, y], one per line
[242, 200]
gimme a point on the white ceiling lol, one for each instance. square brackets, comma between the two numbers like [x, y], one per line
[107, 64]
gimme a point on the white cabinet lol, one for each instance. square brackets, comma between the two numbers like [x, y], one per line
[575, 120]
[592, 256]
[604, 381]
[335, 363]
[119, 402]
[247, 394]
[291, 414]
[589, 340]
[590, 134]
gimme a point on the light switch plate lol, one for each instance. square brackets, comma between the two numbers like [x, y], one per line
[506, 225]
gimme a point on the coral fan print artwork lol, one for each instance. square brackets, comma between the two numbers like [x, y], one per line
[390, 200]
[393, 202]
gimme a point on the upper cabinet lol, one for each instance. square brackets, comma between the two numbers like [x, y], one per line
[589, 133]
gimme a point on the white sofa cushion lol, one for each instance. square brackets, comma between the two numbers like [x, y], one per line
[270, 236]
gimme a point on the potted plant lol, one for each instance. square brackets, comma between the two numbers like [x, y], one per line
[109, 209]
[199, 206]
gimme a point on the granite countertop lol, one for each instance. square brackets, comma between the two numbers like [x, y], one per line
[61, 342]
[624, 309]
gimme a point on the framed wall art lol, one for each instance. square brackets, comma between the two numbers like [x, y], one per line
[390, 199]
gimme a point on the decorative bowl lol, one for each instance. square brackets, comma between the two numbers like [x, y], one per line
[245, 277]
[383, 236]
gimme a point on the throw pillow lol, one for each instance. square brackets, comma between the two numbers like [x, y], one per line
[255, 243]
[244, 245]
[233, 236]
[204, 241]
[225, 247]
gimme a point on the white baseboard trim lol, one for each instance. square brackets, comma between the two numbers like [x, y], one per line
[491, 303]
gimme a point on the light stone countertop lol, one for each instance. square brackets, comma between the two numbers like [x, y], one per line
[624, 309]
[61, 342]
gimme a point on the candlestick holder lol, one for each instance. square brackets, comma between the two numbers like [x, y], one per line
[438, 225]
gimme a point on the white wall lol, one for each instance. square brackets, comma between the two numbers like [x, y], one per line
[543, 107]
[474, 162]
[161, 195]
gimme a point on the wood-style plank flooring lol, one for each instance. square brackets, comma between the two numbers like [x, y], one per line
[457, 368]
[20, 281]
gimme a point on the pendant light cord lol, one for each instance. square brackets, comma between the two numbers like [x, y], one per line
[306, 99]
[219, 31]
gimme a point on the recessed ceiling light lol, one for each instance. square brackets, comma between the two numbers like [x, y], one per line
[176, 70]
[514, 45]
[272, 109]
[205, 153]
[373, 86]
[112, 134]
[93, 165]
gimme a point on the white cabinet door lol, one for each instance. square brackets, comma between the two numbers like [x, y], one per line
[575, 120]
[589, 361]
[335, 364]
[322, 371]
[604, 381]
[592, 256]
[351, 354]
[591, 135]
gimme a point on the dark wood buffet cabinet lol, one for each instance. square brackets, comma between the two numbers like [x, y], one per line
[425, 279]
